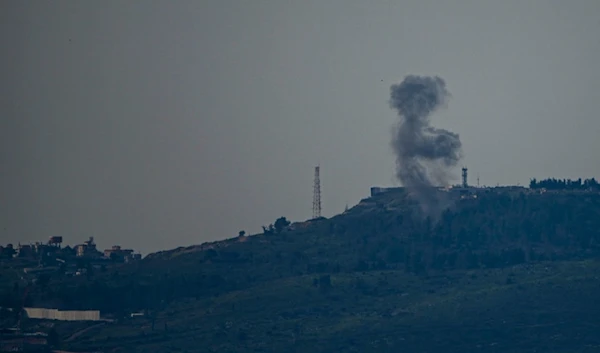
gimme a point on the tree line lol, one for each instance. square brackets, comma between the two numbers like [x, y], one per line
[564, 184]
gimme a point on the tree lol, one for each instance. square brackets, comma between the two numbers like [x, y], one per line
[116, 257]
[68, 251]
[43, 280]
[268, 230]
[53, 338]
[280, 224]
[9, 251]
[90, 271]
[533, 183]
[241, 233]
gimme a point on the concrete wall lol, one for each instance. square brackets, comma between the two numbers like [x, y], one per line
[67, 315]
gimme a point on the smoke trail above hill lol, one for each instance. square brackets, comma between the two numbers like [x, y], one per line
[425, 155]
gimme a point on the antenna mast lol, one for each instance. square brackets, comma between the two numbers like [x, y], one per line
[317, 194]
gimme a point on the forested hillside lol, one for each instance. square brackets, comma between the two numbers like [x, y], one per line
[508, 270]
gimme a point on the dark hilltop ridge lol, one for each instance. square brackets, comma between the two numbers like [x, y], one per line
[505, 269]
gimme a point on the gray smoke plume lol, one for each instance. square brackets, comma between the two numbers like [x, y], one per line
[424, 155]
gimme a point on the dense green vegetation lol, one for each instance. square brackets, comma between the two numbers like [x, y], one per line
[565, 184]
[551, 307]
[507, 271]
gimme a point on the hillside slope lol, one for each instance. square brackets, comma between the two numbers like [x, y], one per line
[548, 307]
[503, 272]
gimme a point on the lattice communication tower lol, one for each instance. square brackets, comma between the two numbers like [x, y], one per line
[317, 194]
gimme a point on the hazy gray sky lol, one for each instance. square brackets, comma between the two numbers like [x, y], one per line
[157, 124]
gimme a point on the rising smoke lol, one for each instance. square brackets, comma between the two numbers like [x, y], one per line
[424, 155]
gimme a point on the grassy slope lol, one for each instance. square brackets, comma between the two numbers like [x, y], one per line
[257, 294]
[551, 307]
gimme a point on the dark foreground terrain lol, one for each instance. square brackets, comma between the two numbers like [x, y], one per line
[507, 271]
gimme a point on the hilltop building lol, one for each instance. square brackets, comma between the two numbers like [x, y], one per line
[25, 251]
[55, 241]
[459, 190]
[118, 254]
[87, 249]
[380, 190]
[34, 251]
